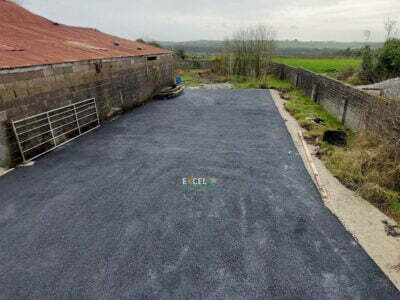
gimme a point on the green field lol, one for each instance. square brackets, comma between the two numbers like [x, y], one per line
[327, 66]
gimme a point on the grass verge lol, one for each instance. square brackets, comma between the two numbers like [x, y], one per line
[366, 165]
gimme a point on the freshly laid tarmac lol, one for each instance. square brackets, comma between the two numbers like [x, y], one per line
[108, 217]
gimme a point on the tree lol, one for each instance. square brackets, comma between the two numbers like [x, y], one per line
[388, 59]
[368, 62]
[249, 52]
[181, 53]
[140, 40]
[152, 43]
[383, 63]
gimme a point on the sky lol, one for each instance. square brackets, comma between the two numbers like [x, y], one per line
[183, 20]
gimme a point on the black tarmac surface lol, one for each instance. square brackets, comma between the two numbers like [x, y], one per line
[107, 217]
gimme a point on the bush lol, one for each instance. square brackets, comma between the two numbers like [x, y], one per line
[181, 53]
[383, 63]
[388, 59]
[368, 63]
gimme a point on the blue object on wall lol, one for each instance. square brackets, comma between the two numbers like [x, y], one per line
[178, 80]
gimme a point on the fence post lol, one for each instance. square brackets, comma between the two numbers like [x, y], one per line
[51, 129]
[77, 120]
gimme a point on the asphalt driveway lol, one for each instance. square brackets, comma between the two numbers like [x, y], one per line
[107, 216]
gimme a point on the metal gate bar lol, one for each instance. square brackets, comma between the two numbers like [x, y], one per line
[38, 134]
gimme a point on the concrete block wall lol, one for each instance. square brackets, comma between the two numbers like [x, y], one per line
[117, 84]
[355, 108]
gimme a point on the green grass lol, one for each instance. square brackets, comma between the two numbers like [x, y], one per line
[242, 82]
[191, 77]
[326, 66]
[191, 80]
[302, 107]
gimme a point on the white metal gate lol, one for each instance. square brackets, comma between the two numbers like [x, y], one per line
[41, 133]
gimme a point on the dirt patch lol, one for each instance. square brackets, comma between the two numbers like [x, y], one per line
[366, 223]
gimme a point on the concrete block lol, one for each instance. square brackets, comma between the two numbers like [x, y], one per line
[58, 71]
[21, 92]
[48, 72]
[8, 95]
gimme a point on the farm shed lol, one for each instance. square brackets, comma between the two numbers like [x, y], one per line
[45, 66]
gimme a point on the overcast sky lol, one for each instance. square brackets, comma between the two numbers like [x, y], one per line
[181, 20]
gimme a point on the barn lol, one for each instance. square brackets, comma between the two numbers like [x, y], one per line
[53, 75]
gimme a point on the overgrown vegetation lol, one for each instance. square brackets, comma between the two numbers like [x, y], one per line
[248, 53]
[181, 53]
[371, 167]
[383, 63]
[151, 43]
[367, 165]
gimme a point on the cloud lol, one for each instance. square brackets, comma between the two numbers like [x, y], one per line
[206, 19]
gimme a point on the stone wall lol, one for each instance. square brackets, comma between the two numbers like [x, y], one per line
[117, 84]
[355, 108]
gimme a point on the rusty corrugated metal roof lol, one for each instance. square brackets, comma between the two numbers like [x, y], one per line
[27, 39]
